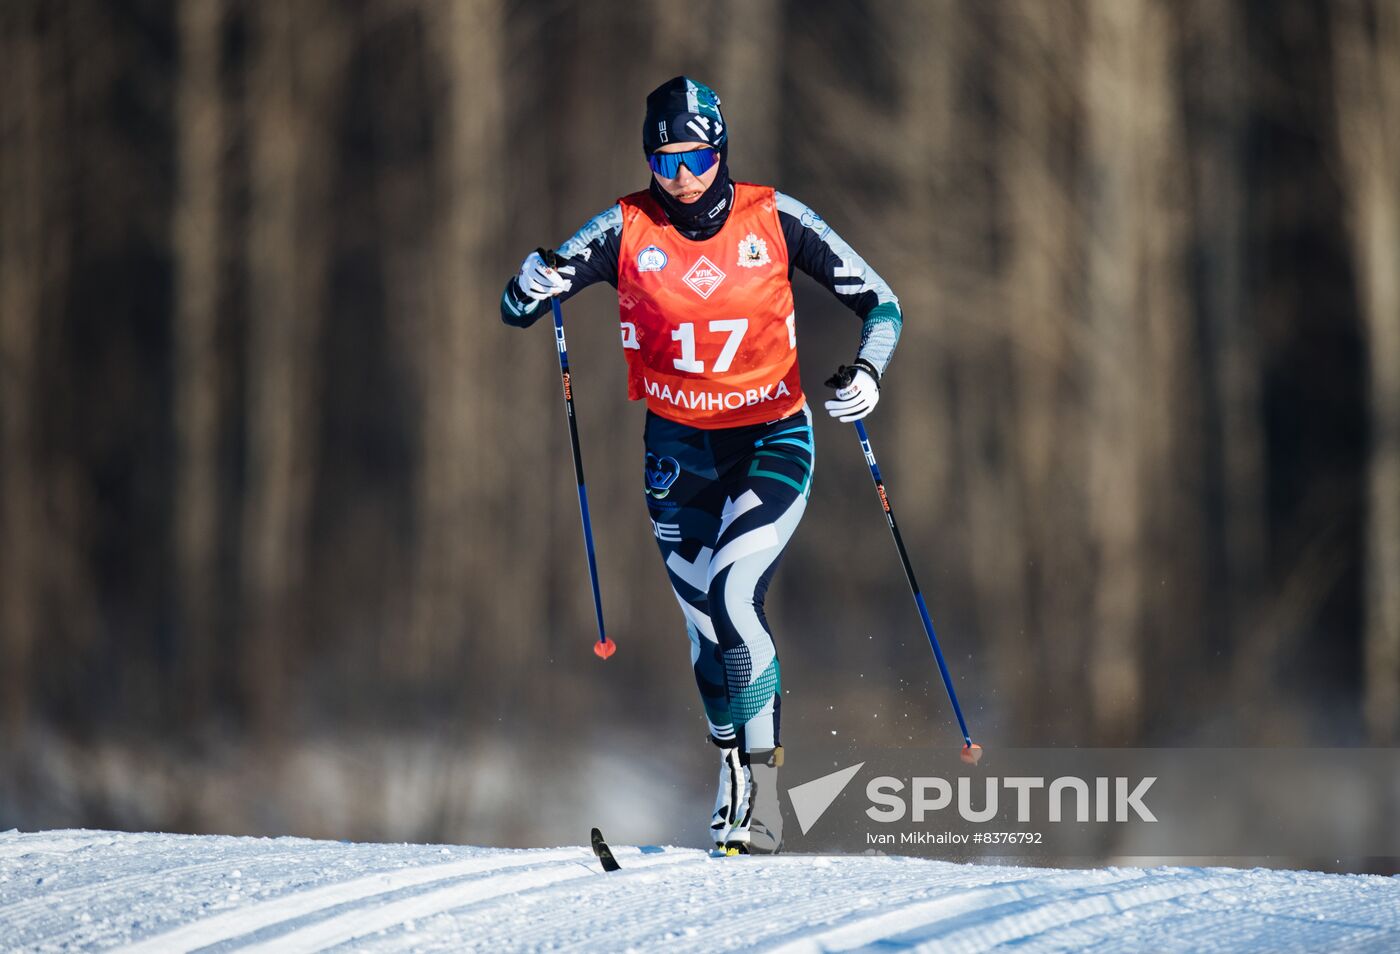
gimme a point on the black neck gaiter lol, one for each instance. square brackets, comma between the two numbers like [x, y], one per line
[705, 216]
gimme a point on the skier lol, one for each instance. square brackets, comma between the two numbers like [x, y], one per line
[702, 266]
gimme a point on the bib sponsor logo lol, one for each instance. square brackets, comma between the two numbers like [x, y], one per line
[704, 277]
[753, 251]
[651, 259]
[696, 400]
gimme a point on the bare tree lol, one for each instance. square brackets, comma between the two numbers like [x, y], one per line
[1216, 104]
[920, 251]
[1367, 52]
[198, 240]
[458, 480]
[931, 38]
[299, 54]
[1135, 319]
[23, 267]
[750, 65]
[1038, 84]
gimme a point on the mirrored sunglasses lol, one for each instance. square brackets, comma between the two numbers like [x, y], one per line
[668, 164]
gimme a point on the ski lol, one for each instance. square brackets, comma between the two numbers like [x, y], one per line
[604, 853]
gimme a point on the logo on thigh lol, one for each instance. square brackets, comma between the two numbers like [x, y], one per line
[661, 473]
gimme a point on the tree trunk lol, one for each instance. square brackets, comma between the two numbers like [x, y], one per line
[928, 213]
[299, 52]
[1367, 49]
[1136, 321]
[1215, 105]
[23, 269]
[198, 244]
[459, 482]
[1039, 86]
[749, 80]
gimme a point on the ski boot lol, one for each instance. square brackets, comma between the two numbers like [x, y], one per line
[729, 823]
[746, 818]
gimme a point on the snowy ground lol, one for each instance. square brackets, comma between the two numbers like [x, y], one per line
[66, 890]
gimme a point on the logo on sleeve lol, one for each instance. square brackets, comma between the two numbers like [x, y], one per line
[704, 277]
[651, 259]
[815, 222]
[753, 251]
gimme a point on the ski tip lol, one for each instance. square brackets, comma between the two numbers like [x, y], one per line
[971, 753]
[604, 853]
[603, 649]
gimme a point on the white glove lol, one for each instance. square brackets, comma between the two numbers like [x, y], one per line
[538, 281]
[855, 399]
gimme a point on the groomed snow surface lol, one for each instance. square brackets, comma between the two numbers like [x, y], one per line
[74, 890]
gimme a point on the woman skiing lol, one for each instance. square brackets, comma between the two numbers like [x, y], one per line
[702, 266]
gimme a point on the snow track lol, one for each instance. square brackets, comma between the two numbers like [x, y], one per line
[365, 921]
[982, 918]
[303, 905]
[24, 913]
[147, 893]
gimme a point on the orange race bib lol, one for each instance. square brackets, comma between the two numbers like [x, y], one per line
[708, 327]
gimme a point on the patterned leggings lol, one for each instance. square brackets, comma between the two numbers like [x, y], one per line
[723, 505]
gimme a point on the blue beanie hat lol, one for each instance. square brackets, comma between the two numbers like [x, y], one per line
[683, 110]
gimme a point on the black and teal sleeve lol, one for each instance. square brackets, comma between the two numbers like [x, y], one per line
[590, 256]
[815, 248]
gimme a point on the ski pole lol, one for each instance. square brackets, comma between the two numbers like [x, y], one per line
[971, 752]
[604, 647]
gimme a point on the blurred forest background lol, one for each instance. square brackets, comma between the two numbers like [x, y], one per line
[288, 533]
